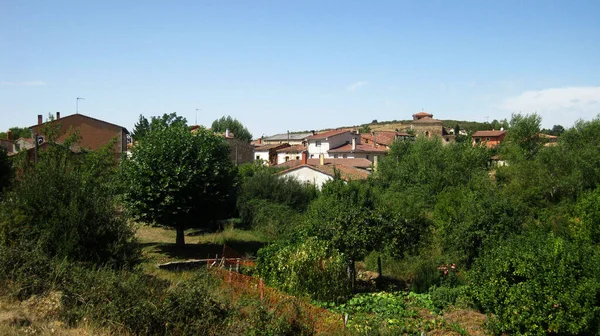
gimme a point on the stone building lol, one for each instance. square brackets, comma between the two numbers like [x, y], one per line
[424, 125]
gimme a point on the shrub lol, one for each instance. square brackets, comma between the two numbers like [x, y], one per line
[538, 283]
[64, 210]
[123, 301]
[25, 272]
[445, 296]
[190, 309]
[307, 268]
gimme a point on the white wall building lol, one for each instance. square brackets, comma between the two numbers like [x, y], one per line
[321, 143]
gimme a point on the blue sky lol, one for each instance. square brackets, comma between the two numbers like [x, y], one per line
[299, 65]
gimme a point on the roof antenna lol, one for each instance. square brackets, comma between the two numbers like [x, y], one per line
[77, 104]
[196, 122]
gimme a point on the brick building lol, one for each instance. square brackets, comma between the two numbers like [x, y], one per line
[94, 133]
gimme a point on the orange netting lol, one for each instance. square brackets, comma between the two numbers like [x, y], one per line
[321, 320]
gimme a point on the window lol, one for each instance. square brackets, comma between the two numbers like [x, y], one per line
[335, 156]
[427, 134]
[367, 156]
[312, 156]
[287, 158]
[487, 139]
[318, 143]
[258, 157]
[297, 157]
[477, 140]
[345, 156]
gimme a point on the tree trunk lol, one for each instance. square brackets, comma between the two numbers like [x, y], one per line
[352, 274]
[180, 240]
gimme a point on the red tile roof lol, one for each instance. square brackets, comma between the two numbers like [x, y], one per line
[292, 149]
[263, 148]
[423, 114]
[360, 148]
[354, 162]
[385, 138]
[346, 173]
[328, 134]
[492, 133]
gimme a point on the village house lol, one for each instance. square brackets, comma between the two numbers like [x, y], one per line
[94, 133]
[354, 163]
[240, 151]
[8, 144]
[23, 144]
[318, 174]
[290, 153]
[321, 143]
[491, 138]
[268, 153]
[384, 138]
[289, 138]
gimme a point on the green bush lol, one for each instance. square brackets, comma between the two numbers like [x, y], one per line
[445, 296]
[274, 220]
[25, 272]
[64, 209]
[123, 301]
[190, 308]
[539, 283]
[263, 185]
[306, 268]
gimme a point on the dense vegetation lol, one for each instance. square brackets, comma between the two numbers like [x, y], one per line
[223, 124]
[446, 225]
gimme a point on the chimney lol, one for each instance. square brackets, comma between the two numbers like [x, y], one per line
[304, 157]
[322, 159]
[353, 144]
[227, 133]
[259, 140]
[375, 159]
[9, 135]
[57, 115]
[40, 119]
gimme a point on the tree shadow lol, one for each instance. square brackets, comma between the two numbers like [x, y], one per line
[203, 251]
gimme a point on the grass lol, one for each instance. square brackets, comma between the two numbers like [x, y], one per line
[158, 246]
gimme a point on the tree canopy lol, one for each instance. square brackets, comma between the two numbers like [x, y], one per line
[178, 179]
[234, 126]
[143, 126]
[17, 132]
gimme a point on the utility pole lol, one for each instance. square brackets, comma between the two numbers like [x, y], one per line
[77, 104]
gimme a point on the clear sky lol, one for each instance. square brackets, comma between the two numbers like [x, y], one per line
[299, 65]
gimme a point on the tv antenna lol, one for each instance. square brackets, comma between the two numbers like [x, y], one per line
[77, 104]
[196, 122]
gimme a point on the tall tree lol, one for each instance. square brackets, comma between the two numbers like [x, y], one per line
[523, 140]
[233, 125]
[143, 126]
[17, 132]
[5, 169]
[179, 179]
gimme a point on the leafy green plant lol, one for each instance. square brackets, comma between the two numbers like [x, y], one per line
[307, 268]
[538, 283]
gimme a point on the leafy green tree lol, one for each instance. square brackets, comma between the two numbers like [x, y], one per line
[424, 167]
[522, 140]
[310, 267]
[6, 170]
[143, 126]
[179, 179]
[233, 125]
[64, 207]
[17, 132]
[557, 130]
[538, 283]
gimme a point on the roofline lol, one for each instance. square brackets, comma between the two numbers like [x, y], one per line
[316, 136]
[79, 114]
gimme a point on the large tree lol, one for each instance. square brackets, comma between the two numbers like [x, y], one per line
[179, 179]
[233, 125]
[17, 132]
[143, 126]
[5, 170]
